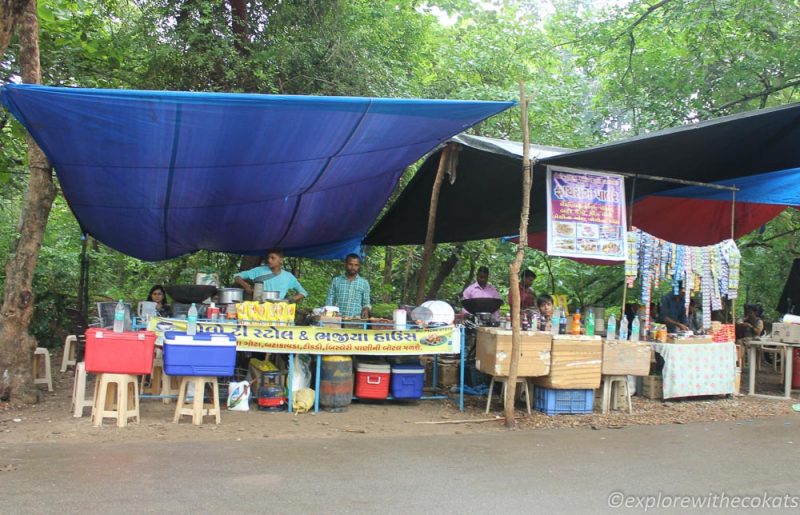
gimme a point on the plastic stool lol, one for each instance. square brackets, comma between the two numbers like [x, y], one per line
[610, 382]
[79, 400]
[42, 376]
[197, 409]
[70, 356]
[504, 380]
[124, 390]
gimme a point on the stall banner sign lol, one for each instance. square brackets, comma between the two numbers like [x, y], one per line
[324, 340]
[585, 214]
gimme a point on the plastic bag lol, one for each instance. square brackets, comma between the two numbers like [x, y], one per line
[239, 396]
[303, 400]
[301, 375]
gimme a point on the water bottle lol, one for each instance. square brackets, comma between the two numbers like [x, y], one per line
[555, 321]
[191, 321]
[635, 330]
[590, 323]
[119, 317]
[611, 327]
[562, 323]
[623, 328]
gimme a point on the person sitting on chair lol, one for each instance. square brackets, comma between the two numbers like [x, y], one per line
[159, 296]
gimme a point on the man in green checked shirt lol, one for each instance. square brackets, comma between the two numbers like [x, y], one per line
[349, 291]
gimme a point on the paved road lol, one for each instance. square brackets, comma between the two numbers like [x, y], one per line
[545, 471]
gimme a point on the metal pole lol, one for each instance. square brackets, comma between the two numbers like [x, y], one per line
[630, 224]
[461, 370]
[661, 179]
[733, 237]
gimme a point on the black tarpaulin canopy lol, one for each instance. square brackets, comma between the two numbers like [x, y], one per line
[757, 151]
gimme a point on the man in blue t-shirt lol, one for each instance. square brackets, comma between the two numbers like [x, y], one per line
[274, 277]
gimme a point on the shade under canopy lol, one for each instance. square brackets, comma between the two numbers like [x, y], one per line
[757, 152]
[158, 174]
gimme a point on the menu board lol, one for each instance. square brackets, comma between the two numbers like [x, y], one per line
[585, 214]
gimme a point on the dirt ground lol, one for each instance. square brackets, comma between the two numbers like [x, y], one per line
[51, 420]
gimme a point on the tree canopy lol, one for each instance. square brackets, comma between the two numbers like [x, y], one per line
[595, 72]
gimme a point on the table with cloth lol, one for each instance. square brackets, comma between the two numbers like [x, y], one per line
[694, 369]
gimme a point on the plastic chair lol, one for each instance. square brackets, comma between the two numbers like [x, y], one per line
[778, 353]
[41, 368]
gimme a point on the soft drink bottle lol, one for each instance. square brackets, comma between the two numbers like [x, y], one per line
[191, 321]
[562, 323]
[576, 322]
[555, 321]
[119, 317]
[590, 323]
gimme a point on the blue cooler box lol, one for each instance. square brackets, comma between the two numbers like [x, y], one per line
[204, 354]
[407, 381]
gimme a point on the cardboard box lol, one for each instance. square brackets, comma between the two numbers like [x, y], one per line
[788, 333]
[575, 363]
[652, 388]
[493, 352]
[621, 357]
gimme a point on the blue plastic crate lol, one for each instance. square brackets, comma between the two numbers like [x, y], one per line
[556, 402]
[203, 354]
[407, 381]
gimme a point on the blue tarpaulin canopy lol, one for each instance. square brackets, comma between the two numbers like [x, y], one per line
[158, 174]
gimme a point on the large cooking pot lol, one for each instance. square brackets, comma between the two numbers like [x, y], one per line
[230, 295]
[271, 295]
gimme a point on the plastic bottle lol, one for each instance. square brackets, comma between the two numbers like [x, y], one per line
[576, 322]
[611, 327]
[119, 317]
[635, 330]
[555, 321]
[562, 323]
[623, 328]
[590, 323]
[191, 321]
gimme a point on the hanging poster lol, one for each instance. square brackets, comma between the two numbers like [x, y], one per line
[585, 214]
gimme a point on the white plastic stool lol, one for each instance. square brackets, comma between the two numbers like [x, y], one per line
[610, 382]
[70, 352]
[42, 376]
[504, 380]
[196, 408]
[115, 396]
[79, 400]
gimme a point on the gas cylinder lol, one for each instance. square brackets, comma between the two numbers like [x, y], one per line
[796, 369]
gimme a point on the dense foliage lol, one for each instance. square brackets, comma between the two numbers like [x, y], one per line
[595, 73]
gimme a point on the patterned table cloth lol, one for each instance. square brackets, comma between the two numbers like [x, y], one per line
[697, 368]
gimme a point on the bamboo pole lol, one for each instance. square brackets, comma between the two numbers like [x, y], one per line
[444, 162]
[513, 269]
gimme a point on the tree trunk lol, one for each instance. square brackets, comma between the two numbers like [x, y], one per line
[387, 273]
[446, 162]
[407, 275]
[513, 269]
[16, 345]
[444, 271]
[10, 12]
[239, 23]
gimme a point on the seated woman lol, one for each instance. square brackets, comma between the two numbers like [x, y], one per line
[159, 296]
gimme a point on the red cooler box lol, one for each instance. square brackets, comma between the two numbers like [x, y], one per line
[203, 354]
[372, 380]
[130, 352]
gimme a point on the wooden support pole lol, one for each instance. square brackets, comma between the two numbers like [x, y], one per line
[513, 269]
[444, 162]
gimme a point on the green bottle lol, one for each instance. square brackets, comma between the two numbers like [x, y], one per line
[590, 323]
